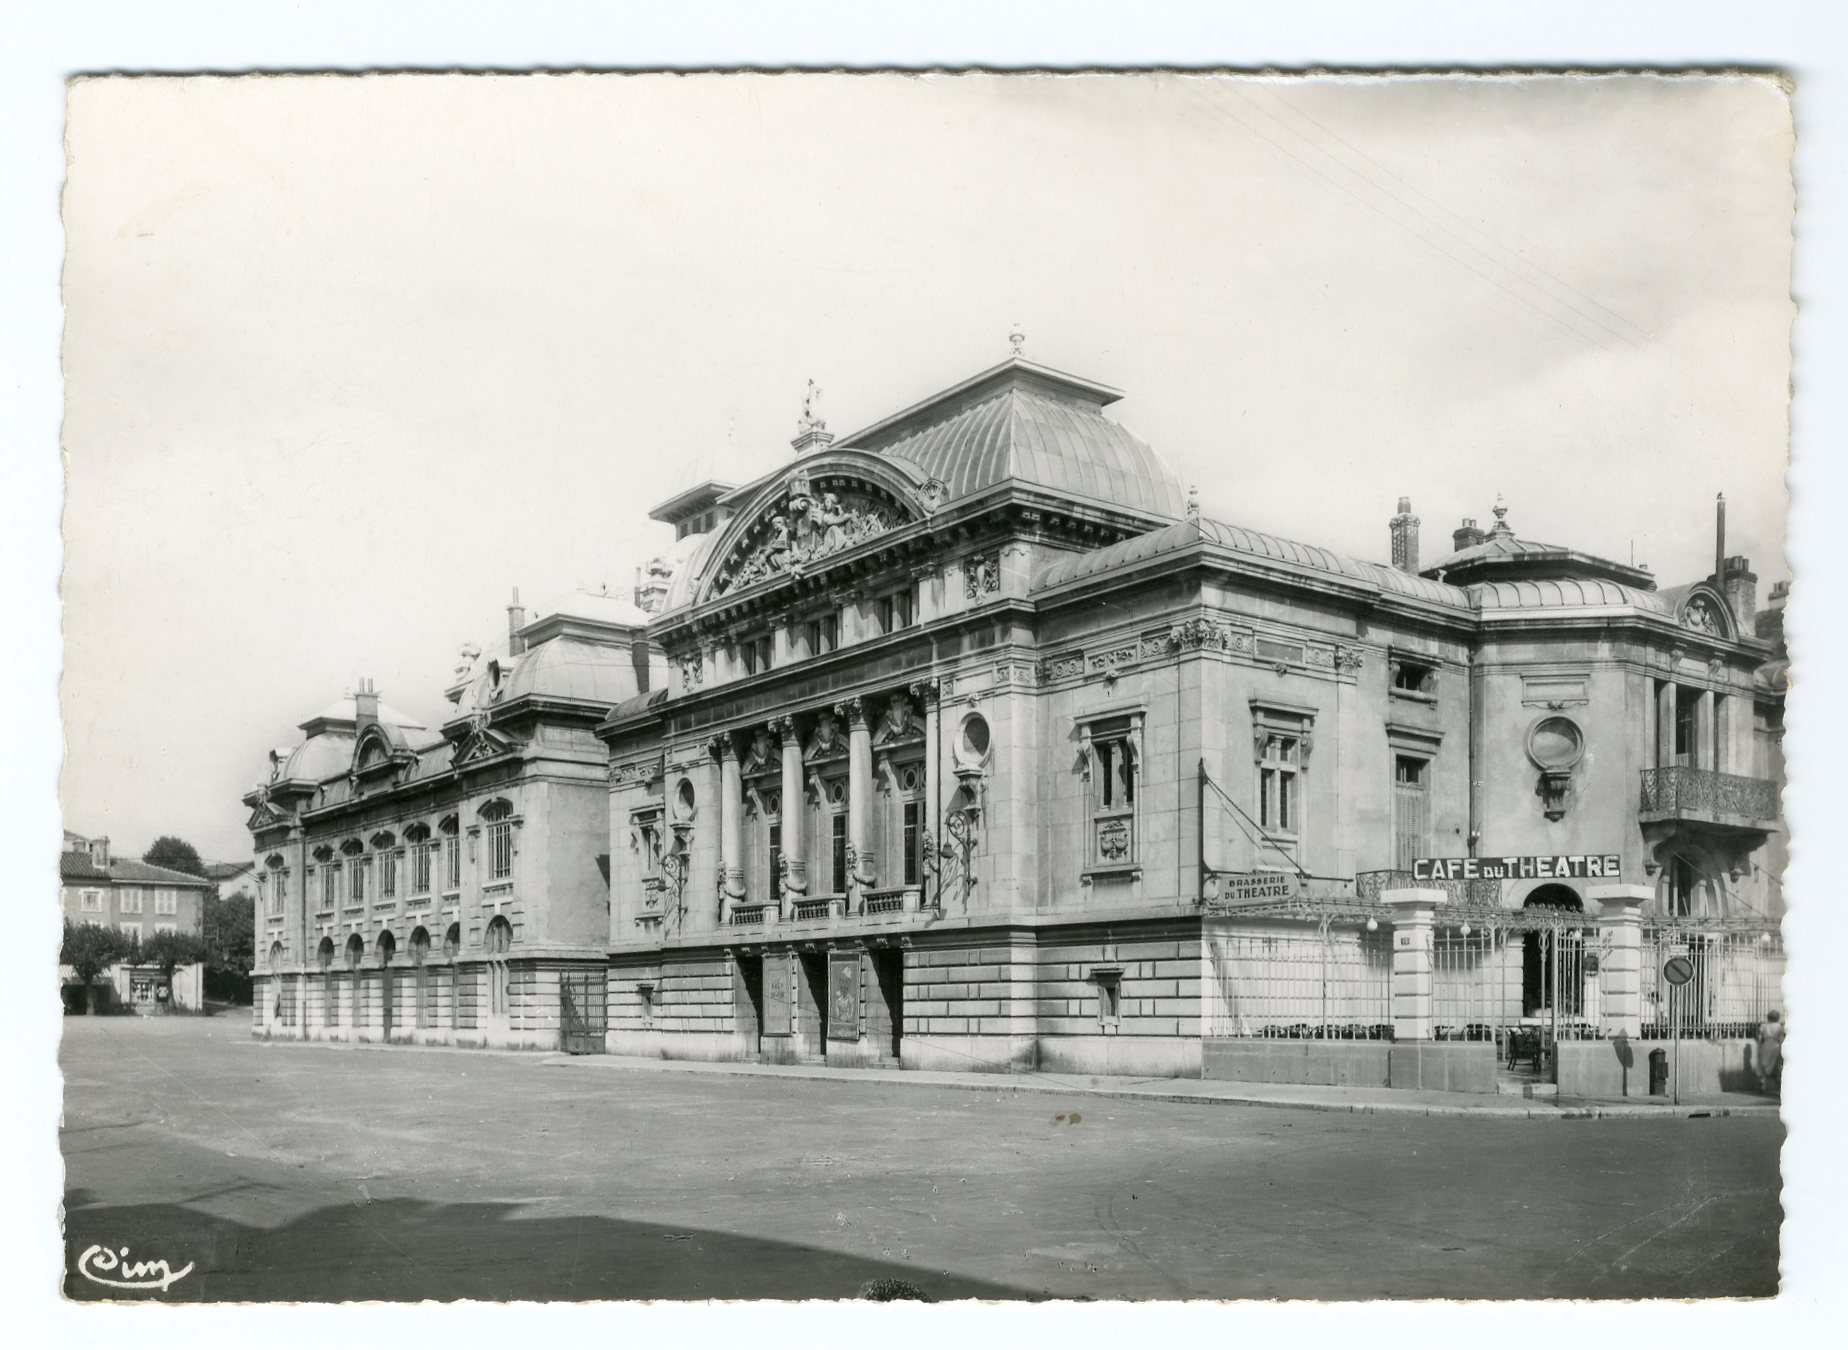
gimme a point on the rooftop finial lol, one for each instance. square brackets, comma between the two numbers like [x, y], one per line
[1016, 340]
[1501, 515]
[811, 415]
[1193, 503]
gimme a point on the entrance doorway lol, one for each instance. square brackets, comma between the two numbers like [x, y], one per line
[748, 1005]
[813, 1002]
[887, 1019]
[1552, 959]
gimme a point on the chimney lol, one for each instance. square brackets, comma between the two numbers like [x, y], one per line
[1719, 540]
[516, 620]
[99, 852]
[365, 706]
[1466, 536]
[1739, 584]
[1404, 529]
[651, 585]
[1768, 623]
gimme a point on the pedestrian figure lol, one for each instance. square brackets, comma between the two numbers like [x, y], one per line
[1771, 1054]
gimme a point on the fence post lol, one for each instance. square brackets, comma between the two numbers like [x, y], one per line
[1413, 912]
[1620, 914]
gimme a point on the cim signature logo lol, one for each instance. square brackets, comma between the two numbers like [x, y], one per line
[98, 1264]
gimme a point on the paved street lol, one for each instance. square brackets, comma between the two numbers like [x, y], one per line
[312, 1173]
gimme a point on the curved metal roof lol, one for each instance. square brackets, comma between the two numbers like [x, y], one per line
[1029, 436]
[1253, 543]
[571, 668]
[689, 556]
[1565, 593]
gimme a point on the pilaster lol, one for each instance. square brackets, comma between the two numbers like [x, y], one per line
[1413, 913]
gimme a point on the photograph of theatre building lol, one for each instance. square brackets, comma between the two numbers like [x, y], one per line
[969, 741]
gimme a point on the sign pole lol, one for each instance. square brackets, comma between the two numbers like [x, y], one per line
[1677, 1069]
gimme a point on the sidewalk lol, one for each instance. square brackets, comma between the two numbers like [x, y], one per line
[1303, 1097]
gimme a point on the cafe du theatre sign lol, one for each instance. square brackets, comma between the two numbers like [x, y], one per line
[1561, 867]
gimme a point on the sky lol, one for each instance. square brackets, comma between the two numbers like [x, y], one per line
[347, 359]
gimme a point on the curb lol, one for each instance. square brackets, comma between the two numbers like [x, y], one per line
[1017, 1083]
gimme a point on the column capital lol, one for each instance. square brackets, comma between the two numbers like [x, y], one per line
[926, 691]
[786, 730]
[852, 711]
[721, 748]
[1620, 902]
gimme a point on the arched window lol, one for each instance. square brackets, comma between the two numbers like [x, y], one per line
[275, 956]
[452, 941]
[452, 853]
[387, 947]
[497, 817]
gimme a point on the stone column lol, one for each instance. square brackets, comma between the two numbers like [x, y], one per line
[731, 818]
[1707, 752]
[795, 862]
[861, 872]
[1620, 972]
[1665, 725]
[1413, 912]
[926, 693]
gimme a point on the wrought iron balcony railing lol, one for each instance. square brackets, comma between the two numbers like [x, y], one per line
[1369, 885]
[1682, 791]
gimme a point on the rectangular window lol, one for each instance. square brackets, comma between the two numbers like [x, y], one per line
[839, 840]
[894, 611]
[133, 929]
[1687, 726]
[776, 857]
[388, 876]
[452, 860]
[914, 813]
[1278, 809]
[129, 899]
[646, 993]
[279, 890]
[166, 928]
[92, 902]
[356, 880]
[166, 901]
[330, 885]
[1411, 810]
[1109, 996]
[500, 850]
[420, 868]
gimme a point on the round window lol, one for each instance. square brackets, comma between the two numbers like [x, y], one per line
[972, 741]
[1555, 743]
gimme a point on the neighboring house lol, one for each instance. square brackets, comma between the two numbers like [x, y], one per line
[138, 898]
[232, 877]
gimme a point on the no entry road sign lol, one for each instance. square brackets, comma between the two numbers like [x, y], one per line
[1678, 971]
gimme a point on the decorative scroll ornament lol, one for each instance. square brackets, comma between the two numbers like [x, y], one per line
[981, 576]
[1113, 840]
[1198, 633]
[803, 528]
[898, 723]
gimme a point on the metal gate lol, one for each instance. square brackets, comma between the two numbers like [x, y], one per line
[583, 1012]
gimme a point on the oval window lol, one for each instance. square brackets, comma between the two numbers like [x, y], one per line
[972, 741]
[683, 800]
[1555, 743]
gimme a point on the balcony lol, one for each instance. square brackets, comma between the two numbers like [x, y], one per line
[1727, 800]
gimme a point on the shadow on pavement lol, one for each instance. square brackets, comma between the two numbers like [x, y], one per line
[407, 1250]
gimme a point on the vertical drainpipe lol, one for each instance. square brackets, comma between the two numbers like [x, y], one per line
[1477, 723]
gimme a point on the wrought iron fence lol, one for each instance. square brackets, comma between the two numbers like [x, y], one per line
[1738, 980]
[1326, 982]
[1730, 794]
[1517, 976]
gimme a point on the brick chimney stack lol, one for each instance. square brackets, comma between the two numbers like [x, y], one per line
[1466, 536]
[1739, 583]
[516, 620]
[365, 706]
[1404, 527]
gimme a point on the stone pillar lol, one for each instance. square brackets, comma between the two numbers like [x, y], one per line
[1706, 750]
[1413, 912]
[1620, 972]
[1665, 725]
[861, 872]
[731, 819]
[926, 693]
[795, 862]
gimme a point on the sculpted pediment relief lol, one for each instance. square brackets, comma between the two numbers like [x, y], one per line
[815, 517]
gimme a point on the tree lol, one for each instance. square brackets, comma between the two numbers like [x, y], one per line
[170, 851]
[231, 945]
[89, 949]
[168, 950]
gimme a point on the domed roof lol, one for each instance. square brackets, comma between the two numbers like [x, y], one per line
[694, 552]
[321, 756]
[1501, 554]
[568, 667]
[1028, 423]
[1565, 593]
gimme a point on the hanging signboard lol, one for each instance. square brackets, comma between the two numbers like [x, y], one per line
[1230, 890]
[1562, 867]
